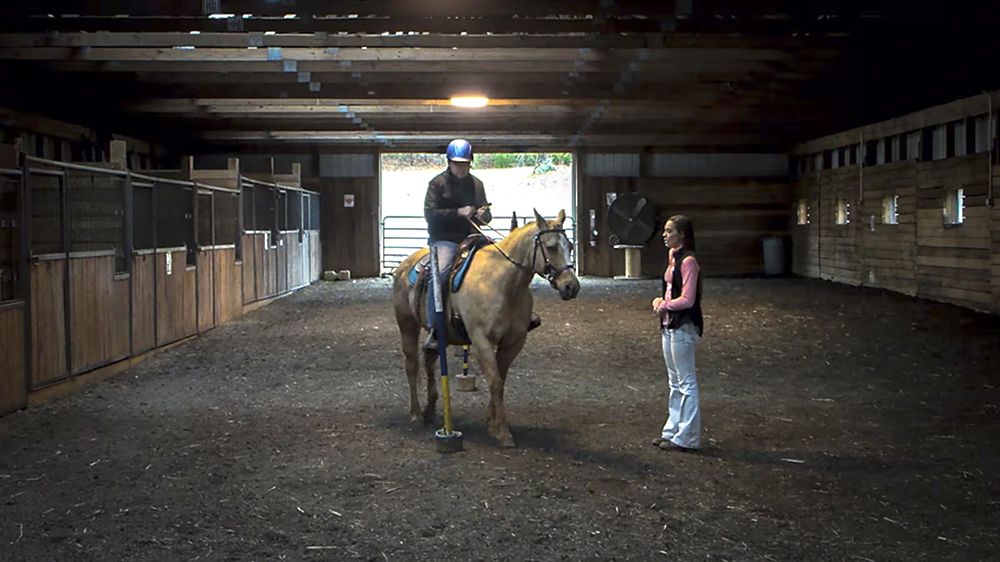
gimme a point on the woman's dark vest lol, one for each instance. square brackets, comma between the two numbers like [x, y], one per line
[689, 315]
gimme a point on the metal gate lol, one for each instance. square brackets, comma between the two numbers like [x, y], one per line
[402, 235]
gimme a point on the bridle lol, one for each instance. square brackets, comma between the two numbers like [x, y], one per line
[549, 272]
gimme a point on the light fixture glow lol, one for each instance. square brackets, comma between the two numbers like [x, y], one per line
[469, 101]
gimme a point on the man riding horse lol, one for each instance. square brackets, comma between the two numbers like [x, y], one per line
[454, 204]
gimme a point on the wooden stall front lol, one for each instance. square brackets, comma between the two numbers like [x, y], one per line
[99, 317]
[897, 234]
[107, 278]
[13, 393]
[48, 321]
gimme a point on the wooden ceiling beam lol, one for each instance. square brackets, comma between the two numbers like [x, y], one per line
[479, 138]
[391, 40]
[679, 71]
[409, 54]
[384, 8]
[369, 25]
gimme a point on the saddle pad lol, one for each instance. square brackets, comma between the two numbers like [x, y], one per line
[457, 277]
[415, 270]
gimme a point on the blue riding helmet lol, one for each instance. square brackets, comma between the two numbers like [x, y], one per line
[459, 150]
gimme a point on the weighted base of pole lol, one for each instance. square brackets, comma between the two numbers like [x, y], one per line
[448, 443]
[465, 383]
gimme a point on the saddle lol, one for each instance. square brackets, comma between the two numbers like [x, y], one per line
[419, 278]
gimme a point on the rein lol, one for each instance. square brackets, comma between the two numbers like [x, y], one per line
[550, 271]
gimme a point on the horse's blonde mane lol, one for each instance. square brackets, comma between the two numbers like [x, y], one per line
[514, 243]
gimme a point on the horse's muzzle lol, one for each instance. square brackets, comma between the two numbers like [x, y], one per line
[568, 285]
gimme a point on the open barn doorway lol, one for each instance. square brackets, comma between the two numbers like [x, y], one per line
[515, 184]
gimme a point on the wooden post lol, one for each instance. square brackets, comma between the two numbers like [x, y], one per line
[187, 167]
[119, 154]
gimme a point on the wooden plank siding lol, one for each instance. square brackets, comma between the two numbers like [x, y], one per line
[226, 280]
[919, 256]
[99, 322]
[598, 257]
[48, 327]
[206, 290]
[143, 304]
[281, 265]
[13, 394]
[251, 257]
[315, 256]
[731, 217]
[266, 271]
[805, 237]
[349, 234]
[175, 299]
[295, 272]
[995, 253]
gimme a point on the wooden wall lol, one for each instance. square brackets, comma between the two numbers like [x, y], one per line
[175, 299]
[995, 256]
[315, 257]
[731, 217]
[281, 264]
[271, 271]
[251, 258]
[99, 322]
[206, 290]
[293, 260]
[13, 394]
[48, 326]
[919, 256]
[143, 303]
[349, 234]
[227, 276]
[83, 315]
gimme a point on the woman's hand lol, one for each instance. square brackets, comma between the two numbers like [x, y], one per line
[657, 303]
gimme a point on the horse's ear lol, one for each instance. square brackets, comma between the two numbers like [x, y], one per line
[542, 225]
[561, 217]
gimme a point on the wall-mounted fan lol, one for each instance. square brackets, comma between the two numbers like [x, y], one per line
[632, 222]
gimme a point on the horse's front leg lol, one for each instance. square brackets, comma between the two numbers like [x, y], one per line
[496, 414]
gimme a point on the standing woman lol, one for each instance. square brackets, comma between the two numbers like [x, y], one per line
[679, 311]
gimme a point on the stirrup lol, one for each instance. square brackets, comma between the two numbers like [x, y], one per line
[431, 343]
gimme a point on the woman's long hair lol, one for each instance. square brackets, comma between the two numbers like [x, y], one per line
[683, 224]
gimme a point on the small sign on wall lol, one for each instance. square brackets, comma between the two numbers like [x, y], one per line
[170, 263]
[348, 199]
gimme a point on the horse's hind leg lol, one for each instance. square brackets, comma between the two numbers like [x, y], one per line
[409, 331]
[430, 358]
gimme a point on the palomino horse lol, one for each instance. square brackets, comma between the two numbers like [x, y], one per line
[495, 305]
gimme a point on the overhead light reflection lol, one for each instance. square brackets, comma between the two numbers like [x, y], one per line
[469, 101]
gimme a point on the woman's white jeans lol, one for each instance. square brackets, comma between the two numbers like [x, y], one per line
[683, 425]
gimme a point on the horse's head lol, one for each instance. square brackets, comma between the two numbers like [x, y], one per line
[552, 257]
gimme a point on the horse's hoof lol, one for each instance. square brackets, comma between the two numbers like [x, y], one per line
[507, 443]
[416, 418]
[429, 417]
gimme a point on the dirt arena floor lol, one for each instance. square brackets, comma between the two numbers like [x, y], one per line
[840, 424]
